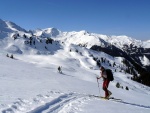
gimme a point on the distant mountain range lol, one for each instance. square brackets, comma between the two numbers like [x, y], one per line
[136, 53]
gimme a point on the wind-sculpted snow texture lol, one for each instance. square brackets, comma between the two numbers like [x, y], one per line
[57, 102]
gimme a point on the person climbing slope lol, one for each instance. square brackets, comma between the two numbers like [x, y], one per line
[105, 82]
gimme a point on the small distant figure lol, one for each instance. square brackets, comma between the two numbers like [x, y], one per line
[60, 69]
[7, 55]
[12, 56]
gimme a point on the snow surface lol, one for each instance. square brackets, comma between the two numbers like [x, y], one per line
[31, 83]
[145, 61]
[146, 44]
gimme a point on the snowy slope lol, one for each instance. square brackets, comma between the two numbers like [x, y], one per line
[31, 83]
[145, 61]
[7, 27]
[48, 32]
[29, 45]
[146, 44]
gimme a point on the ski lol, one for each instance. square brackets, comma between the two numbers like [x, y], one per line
[113, 98]
[110, 98]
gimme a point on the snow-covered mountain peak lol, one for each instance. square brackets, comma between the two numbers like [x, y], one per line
[53, 31]
[122, 40]
[4, 27]
[7, 26]
[14, 27]
[83, 38]
[146, 44]
[83, 32]
[47, 32]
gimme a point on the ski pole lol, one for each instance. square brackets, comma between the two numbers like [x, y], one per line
[98, 87]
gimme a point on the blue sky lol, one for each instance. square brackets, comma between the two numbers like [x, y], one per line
[109, 17]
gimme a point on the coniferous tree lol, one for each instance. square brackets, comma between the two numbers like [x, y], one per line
[118, 85]
[7, 55]
[12, 56]
[127, 88]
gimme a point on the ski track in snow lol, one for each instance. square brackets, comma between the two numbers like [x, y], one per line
[52, 103]
[56, 102]
[133, 104]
